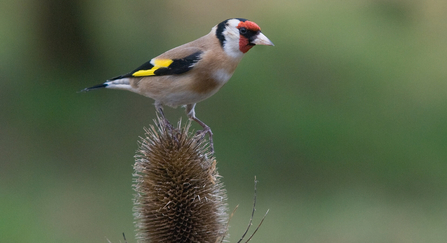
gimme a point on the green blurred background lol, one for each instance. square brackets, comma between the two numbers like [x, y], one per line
[343, 121]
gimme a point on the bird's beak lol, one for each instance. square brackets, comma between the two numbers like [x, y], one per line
[261, 39]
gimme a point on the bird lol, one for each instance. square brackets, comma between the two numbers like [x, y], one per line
[192, 72]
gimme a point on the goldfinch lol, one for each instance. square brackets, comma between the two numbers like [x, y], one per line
[194, 71]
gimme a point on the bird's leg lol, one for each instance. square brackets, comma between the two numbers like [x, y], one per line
[171, 128]
[206, 129]
[159, 109]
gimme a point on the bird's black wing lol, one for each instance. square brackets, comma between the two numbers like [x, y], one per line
[159, 67]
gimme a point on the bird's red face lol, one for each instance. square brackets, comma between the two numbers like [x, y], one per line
[237, 36]
[246, 30]
[250, 35]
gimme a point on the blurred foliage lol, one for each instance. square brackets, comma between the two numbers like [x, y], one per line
[343, 122]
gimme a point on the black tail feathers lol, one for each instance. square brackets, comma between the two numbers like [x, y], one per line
[99, 86]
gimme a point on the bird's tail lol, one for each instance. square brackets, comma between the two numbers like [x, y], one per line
[122, 83]
[99, 86]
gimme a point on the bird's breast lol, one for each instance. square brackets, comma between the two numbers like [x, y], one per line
[209, 83]
[222, 75]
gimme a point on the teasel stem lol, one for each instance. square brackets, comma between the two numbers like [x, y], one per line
[179, 195]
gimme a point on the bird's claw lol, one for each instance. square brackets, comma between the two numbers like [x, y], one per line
[171, 129]
[169, 125]
[202, 134]
[174, 132]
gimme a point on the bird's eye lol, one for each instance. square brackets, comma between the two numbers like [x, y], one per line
[243, 30]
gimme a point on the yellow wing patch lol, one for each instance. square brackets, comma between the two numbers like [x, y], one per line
[158, 63]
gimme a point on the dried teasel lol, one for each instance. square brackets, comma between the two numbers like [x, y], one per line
[179, 195]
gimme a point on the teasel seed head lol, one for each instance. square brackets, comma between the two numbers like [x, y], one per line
[179, 195]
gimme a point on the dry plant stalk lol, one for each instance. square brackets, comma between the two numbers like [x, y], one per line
[179, 195]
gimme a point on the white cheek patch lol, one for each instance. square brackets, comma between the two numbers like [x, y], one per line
[231, 48]
[222, 75]
[231, 44]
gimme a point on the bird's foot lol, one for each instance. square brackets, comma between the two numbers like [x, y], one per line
[163, 122]
[202, 134]
[174, 132]
[170, 129]
[169, 125]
